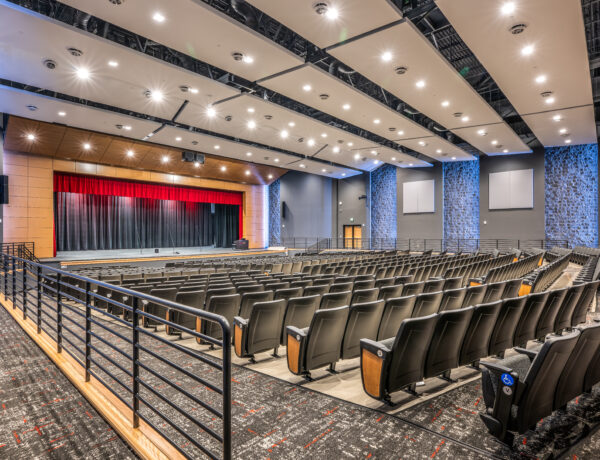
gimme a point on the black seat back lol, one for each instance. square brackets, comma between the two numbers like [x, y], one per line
[547, 319]
[241, 290]
[364, 295]
[494, 292]
[413, 288]
[504, 329]
[427, 304]
[584, 302]
[446, 341]
[474, 295]
[565, 314]
[477, 338]
[409, 352]
[592, 376]
[512, 288]
[218, 291]
[434, 285]
[316, 289]
[364, 284]
[288, 293]
[224, 305]
[299, 312]
[335, 299]
[389, 292]
[341, 287]
[571, 382]
[264, 325]
[453, 283]
[250, 298]
[396, 310]
[453, 299]
[530, 316]
[363, 323]
[324, 342]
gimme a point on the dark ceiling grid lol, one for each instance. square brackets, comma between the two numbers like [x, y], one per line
[591, 19]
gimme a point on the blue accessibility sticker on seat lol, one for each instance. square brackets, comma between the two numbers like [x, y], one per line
[508, 380]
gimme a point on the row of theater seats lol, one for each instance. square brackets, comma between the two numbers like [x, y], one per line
[432, 346]
[516, 269]
[478, 268]
[521, 390]
[543, 277]
[589, 270]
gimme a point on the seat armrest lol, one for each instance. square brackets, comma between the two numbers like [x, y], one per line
[529, 353]
[296, 332]
[377, 348]
[240, 321]
[497, 368]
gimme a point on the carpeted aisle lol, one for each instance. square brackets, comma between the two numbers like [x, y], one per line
[42, 415]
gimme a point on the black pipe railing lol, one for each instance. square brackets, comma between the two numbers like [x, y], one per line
[23, 250]
[316, 244]
[106, 336]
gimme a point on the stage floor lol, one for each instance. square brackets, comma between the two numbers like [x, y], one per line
[67, 258]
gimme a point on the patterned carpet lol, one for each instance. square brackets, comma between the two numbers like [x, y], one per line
[42, 414]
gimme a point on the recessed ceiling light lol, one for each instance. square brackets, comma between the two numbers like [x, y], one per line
[250, 109]
[343, 174]
[302, 165]
[562, 130]
[194, 90]
[445, 103]
[130, 153]
[270, 176]
[307, 88]
[248, 59]
[527, 50]
[276, 160]
[127, 128]
[377, 121]
[87, 146]
[375, 162]
[31, 137]
[540, 79]
[248, 154]
[291, 124]
[438, 151]
[400, 133]
[410, 164]
[82, 73]
[158, 17]
[311, 142]
[217, 147]
[223, 168]
[336, 149]
[357, 156]
[350, 144]
[284, 134]
[465, 119]
[247, 172]
[332, 13]
[251, 124]
[557, 118]
[386, 56]
[196, 164]
[113, 63]
[494, 142]
[323, 170]
[420, 84]
[481, 132]
[323, 135]
[373, 152]
[178, 139]
[211, 112]
[550, 100]
[508, 8]
[62, 114]
[505, 151]
[454, 158]
[422, 143]
[567, 141]
[165, 159]
[156, 96]
[393, 158]
[346, 107]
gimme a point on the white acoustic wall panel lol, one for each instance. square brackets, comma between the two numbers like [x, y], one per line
[418, 197]
[511, 189]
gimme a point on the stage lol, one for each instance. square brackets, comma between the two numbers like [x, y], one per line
[72, 258]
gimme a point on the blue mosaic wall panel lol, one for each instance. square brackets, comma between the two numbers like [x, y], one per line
[275, 213]
[461, 199]
[383, 202]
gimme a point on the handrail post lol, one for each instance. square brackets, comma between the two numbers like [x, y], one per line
[226, 392]
[135, 364]
[24, 295]
[58, 314]
[14, 283]
[88, 329]
[39, 299]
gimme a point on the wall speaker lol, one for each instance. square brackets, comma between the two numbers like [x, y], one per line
[283, 209]
[4, 189]
[192, 157]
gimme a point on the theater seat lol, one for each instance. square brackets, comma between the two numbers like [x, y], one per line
[592, 376]
[571, 382]
[299, 312]
[518, 391]
[363, 323]
[447, 339]
[453, 283]
[335, 299]
[389, 292]
[395, 311]
[341, 287]
[547, 319]
[224, 305]
[477, 338]
[512, 288]
[364, 295]
[434, 285]
[319, 344]
[530, 316]
[452, 299]
[316, 289]
[565, 314]
[504, 330]
[584, 302]
[250, 298]
[288, 293]
[194, 299]
[261, 331]
[494, 292]
[398, 362]
[413, 288]
[158, 309]
[427, 304]
[474, 295]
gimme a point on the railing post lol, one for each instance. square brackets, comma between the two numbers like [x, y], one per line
[226, 393]
[14, 282]
[5, 267]
[58, 315]
[39, 299]
[24, 295]
[135, 365]
[88, 329]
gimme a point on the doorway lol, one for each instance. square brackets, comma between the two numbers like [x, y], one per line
[352, 236]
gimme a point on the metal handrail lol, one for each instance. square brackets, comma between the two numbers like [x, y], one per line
[65, 307]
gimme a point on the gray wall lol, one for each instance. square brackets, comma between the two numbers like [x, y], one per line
[347, 191]
[428, 225]
[524, 224]
[308, 205]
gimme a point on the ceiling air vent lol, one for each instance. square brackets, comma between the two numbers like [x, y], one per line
[401, 70]
[237, 56]
[321, 7]
[517, 29]
[50, 64]
[75, 52]
[324, 96]
[117, 2]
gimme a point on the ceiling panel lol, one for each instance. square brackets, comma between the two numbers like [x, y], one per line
[343, 19]
[493, 139]
[371, 158]
[25, 45]
[355, 107]
[560, 127]
[557, 62]
[194, 28]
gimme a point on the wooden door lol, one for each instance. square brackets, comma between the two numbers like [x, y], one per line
[357, 237]
[352, 236]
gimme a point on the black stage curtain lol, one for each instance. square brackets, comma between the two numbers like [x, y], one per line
[96, 222]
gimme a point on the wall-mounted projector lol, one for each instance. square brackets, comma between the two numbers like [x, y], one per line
[192, 157]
